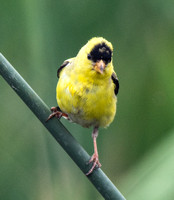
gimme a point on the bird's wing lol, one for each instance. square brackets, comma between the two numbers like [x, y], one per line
[116, 82]
[65, 63]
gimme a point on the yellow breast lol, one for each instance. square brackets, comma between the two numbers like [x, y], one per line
[86, 97]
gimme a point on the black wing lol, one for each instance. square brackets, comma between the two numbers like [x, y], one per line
[61, 67]
[116, 82]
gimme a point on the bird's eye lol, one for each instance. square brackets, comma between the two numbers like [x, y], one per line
[89, 57]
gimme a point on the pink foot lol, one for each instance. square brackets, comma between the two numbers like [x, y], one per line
[96, 163]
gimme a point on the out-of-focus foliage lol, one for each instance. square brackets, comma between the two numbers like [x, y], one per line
[152, 178]
[36, 37]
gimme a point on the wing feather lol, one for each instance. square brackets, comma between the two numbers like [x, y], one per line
[65, 63]
[116, 82]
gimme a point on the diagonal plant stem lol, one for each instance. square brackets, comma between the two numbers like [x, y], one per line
[58, 131]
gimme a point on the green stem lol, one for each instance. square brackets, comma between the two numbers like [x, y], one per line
[57, 130]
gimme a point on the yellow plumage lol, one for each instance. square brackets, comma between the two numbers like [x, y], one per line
[87, 88]
[85, 95]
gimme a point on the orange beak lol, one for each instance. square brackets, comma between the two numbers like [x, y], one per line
[99, 66]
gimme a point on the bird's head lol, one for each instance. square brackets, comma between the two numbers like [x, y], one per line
[96, 55]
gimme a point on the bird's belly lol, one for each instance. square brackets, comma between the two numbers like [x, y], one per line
[86, 106]
[97, 118]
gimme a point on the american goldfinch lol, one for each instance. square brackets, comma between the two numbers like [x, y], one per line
[87, 88]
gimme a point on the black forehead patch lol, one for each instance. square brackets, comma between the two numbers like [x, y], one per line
[100, 52]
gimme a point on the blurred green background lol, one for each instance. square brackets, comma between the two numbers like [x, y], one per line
[137, 150]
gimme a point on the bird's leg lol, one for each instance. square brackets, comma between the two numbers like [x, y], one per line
[94, 157]
[56, 112]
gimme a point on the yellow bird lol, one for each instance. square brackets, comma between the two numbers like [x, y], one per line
[87, 88]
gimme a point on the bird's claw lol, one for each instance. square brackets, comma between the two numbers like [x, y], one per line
[96, 163]
[55, 113]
